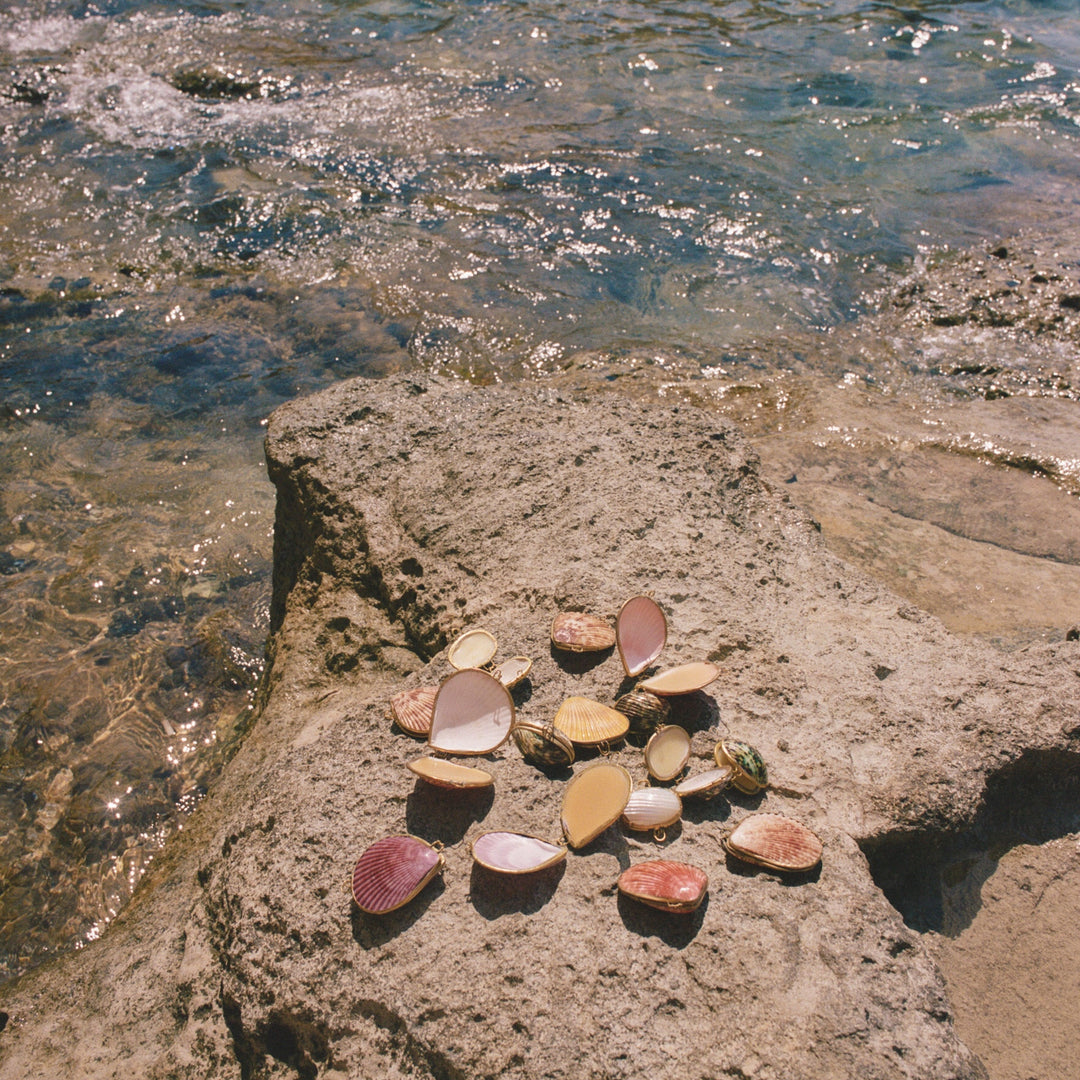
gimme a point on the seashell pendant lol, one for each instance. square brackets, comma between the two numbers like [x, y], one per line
[669, 886]
[511, 672]
[413, 709]
[652, 808]
[776, 842]
[640, 633]
[703, 785]
[472, 649]
[645, 711]
[588, 723]
[667, 752]
[448, 774]
[543, 744]
[593, 800]
[684, 679]
[515, 853]
[748, 772]
[392, 871]
[577, 631]
[473, 714]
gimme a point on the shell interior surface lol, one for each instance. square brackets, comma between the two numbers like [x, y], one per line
[703, 785]
[684, 679]
[449, 774]
[473, 649]
[776, 842]
[473, 714]
[392, 871]
[413, 709]
[670, 886]
[748, 772]
[515, 853]
[667, 752]
[652, 808]
[543, 744]
[588, 723]
[511, 672]
[640, 633]
[646, 712]
[593, 800]
[578, 631]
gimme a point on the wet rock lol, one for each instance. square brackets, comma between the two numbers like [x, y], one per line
[244, 955]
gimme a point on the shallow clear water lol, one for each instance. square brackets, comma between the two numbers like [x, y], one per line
[207, 210]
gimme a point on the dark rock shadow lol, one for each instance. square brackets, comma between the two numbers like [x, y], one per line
[522, 692]
[438, 814]
[695, 712]
[675, 930]
[371, 931]
[577, 663]
[698, 810]
[740, 798]
[494, 895]
[610, 840]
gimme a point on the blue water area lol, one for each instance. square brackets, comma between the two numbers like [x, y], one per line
[207, 209]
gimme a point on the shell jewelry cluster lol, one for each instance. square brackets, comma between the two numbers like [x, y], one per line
[471, 713]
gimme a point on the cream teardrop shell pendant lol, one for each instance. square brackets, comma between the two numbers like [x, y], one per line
[640, 633]
[473, 649]
[449, 774]
[511, 672]
[515, 853]
[413, 709]
[667, 752]
[588, 723]
[669, 886]
[392, 871]
[473, 714]
[703, 785]
[578, 631]
[684, 679]
[776, 842]
[652, 808]
[593, 800]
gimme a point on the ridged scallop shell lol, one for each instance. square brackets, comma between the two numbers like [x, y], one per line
[577, 631]
[392, 871]
[670, 886]
[775, 841]
[652, 808]
[748, 772]
[640, 633]
[413, 709]
[511, 672]
[588, 723]
[449, 774]
[684, 679]
[593, 800]
[667, 752]
[473, 714]
[515, 853]
[542, 744]
[473, 649]
[646, 712]
[703, 785]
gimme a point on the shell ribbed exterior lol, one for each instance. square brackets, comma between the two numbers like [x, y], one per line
[589, 723]
[775, 841]
[652, 808]
[646, 712]
[413, 709]
[549, 748]
[577, 631]
[671, 886]
[391, 872]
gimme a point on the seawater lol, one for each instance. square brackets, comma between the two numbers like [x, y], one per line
[208, 209]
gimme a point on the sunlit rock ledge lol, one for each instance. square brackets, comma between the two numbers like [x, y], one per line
[413, 507]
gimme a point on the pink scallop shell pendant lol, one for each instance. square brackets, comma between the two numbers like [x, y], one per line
[392, 871]
[669, 886]
[515, 853]
[473, 714]
[640, 633]
[413, 709]
[776, 842]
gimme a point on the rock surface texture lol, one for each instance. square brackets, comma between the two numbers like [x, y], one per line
[411, 508]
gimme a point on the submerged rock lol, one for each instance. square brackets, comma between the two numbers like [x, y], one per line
[244, 955]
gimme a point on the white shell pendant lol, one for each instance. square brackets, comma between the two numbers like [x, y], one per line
[515, 853]
[640, 633]
[473, 714]
[652, 808]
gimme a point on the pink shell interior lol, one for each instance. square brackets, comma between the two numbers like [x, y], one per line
[473, 714]
[641, 633]
[515, 853]
[391, 872]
